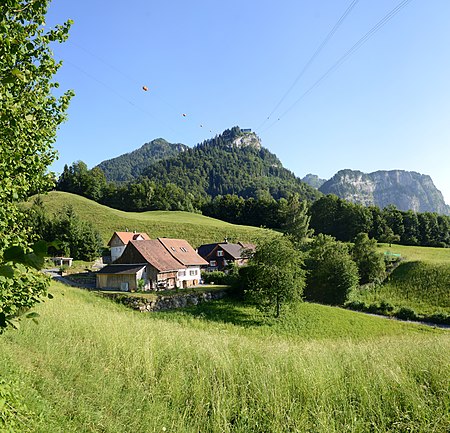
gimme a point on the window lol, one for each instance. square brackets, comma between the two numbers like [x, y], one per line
[173, 249]
[181, 273]
[212, 263]
[184, 250]
[193, 272]
[219, 253]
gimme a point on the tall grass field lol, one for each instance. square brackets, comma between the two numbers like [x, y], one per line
[91, 365]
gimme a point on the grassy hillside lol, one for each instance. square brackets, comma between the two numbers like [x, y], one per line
[195, 228]
[420, 285]
[94, 366]
[423, 287]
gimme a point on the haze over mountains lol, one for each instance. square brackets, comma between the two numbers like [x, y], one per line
[235, 162]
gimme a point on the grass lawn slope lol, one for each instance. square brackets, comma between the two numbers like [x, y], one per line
[196, 229]
[420, 285]
[91, 365]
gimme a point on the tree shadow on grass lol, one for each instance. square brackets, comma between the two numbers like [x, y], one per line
[226, 311]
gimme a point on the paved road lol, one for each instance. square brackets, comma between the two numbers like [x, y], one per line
[54, 273]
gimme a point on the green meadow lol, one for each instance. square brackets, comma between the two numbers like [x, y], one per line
[195, 228]
[91, 365]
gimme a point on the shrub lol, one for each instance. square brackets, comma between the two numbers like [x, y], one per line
[405, 313]
[440, 318]
[356, 305]
[217, 277]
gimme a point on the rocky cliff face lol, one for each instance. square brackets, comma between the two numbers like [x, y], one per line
[404, 189]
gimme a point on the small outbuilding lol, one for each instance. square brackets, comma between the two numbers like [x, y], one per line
[62, 261]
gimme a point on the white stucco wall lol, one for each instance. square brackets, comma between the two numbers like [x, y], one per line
[185, 274]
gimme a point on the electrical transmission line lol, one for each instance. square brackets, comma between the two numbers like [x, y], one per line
[312, 58]
[348, 53]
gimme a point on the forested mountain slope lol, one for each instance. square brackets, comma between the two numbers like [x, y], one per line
[130, 165]
[231, 163]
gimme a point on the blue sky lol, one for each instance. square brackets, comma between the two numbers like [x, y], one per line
[229, 63]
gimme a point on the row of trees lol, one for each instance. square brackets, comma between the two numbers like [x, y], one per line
[343, 220]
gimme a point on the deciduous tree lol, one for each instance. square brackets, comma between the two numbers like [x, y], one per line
[275, 274]
[30, 114]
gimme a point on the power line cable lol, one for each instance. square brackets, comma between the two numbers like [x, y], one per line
[312, 58]
[139, 85]
[348, 53]
[112, 90]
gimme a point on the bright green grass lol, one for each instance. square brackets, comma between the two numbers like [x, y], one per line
[196, 229]
[423, 254]
[423, 286]
[94, 366]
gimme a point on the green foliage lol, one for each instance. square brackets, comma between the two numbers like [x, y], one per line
[19, 292]
[370, 262]
[220, 166]
[332, 273]
[274, 275]
[14, 415]
[296, 219]
[338, 218]
[30, 116]
[79, 180]
[68, 233]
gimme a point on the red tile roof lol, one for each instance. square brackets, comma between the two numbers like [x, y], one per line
[126, 237]
[182, 251]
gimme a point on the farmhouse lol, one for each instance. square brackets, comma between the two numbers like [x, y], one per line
[119, 241]
[220, 255]
[151, 265]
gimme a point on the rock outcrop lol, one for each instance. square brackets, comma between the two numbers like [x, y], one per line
[407, 190]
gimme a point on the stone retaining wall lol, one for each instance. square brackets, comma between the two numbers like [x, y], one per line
[161, 303]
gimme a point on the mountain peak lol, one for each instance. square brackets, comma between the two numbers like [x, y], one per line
[234, 137]
[130, 165]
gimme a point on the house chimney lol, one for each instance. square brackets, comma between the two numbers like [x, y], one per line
[226, 240]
